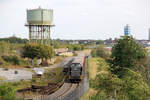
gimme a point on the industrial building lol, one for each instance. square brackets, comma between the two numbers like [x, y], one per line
[39, 22]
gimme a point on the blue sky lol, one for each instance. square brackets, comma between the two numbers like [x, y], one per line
[79, 19]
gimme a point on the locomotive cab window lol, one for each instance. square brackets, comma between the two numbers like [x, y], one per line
[75, 65]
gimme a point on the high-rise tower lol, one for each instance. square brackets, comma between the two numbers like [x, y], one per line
[39, 22]
[149, 34]
[127, 30]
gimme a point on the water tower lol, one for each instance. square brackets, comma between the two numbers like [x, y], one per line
[39, 22]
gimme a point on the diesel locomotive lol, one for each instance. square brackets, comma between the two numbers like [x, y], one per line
[75, 70]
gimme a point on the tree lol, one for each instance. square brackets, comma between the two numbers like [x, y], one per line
[75, 47]
[130, 86]
[143, 67]
[11, 59]
[31, 51]
[134, 86]
[4, 48]
[56, 44]
[110, 84]
[38, 51]
[14, 39]
[125, 54]
[100, 51]
[46, 52]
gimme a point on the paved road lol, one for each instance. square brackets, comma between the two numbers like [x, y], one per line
[62, 64]
[10, 76]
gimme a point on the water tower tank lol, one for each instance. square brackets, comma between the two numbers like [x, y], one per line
[40, 16]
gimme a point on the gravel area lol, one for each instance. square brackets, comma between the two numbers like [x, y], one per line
[62, 64]
[11, 76]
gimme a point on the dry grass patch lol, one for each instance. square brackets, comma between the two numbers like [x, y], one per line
[93, 66]
[88, 94]
[96, 66]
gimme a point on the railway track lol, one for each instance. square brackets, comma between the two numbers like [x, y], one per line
[63, 91]
[68, 87]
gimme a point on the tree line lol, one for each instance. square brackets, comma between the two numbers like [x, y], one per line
[14, 40]
[126, 74]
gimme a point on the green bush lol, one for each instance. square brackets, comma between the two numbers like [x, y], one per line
[11, 59]
[134, 86]
[100, 96]
[109, 83]
[125, 54]
[1, 61]
[7, 92]
[38, 51]
[100, 51]
[131, 86]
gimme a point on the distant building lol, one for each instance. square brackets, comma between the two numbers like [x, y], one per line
[74, 42]
[61, 50]
[149, 34]
[127, 30]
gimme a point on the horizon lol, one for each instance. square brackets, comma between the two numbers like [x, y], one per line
[79, 19]
[74, 39]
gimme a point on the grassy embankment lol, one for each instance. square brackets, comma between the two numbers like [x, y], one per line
[92, 68]
[95, 66]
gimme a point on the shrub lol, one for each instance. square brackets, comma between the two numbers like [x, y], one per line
[7, 92]
[100, 51]
[99, 96]
[1, 61]
[11, 59]
[134, 86]
[125, 54]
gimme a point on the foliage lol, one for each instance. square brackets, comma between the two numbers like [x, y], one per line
[75, 47]
[34, 62]
[125, 54]
[4, 48]
[104, 67]
[14, 40]
[108, 83]
[7, 48]
[11, 59]
[31, 51]
[99, 96]
[134, 86]
[46, 52]
[143, 67]
[100, 51]
[1, 61]
[130, 86]
[38, 51]
[7, 92]
[56, 44]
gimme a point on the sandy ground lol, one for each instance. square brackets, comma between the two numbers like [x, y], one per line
[10, 76]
